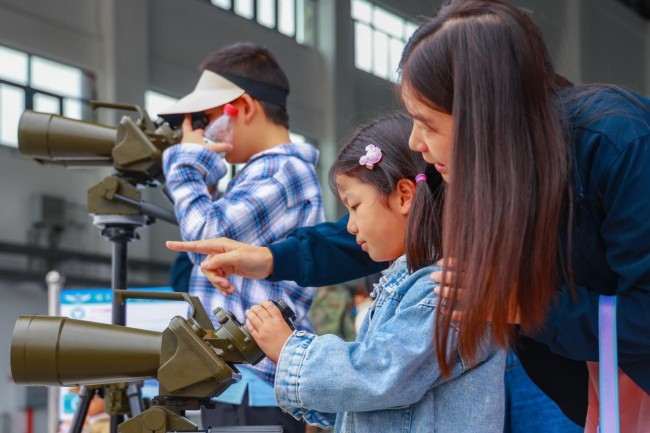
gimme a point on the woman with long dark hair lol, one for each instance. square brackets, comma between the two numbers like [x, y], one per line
[547, 204]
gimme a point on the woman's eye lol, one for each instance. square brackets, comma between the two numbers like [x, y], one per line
[354, 207]
[425, 128]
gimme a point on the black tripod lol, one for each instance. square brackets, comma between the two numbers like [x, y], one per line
[119, 230]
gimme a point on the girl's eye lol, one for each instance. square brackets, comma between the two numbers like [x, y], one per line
[354, 207]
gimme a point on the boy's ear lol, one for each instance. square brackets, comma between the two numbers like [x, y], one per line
[405, 192]
[248, 107]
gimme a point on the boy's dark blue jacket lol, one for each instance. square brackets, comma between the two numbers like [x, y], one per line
[610, 250]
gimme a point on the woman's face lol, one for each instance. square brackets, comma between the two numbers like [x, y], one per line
[432, 133]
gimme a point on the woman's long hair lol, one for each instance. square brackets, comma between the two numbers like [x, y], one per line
[391, 134]
[486, 64]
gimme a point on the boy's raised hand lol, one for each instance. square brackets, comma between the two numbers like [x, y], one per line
[269, 329]
[191, 135]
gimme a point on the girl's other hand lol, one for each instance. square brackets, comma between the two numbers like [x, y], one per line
[267, 326]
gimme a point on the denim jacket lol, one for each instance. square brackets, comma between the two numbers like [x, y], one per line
[388, 380]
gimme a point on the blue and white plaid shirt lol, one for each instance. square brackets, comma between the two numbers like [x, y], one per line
[276, 191]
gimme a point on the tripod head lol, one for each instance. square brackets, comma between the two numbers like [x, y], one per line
[191, 359]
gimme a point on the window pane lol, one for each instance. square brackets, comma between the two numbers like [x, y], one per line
[13, 65]
[380, 53]
[361, 11]
[388, 23]
[362, 42]
[266, 13]
[155, 102]
[224, 4]
[12, 104]
[396, 48]
[305, 18]
[244, 8]
[380, 37]
[72, 108]
[287, 17]
[46, 104]
[56, 78]
[300, 21]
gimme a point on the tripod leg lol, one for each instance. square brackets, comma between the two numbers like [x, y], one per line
[80, 413]
[118, 277]
[116, 420]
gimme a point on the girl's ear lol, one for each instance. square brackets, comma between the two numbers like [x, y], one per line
[404, 195]
[248, 107]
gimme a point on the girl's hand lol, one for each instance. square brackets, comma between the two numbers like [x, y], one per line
[267, 326]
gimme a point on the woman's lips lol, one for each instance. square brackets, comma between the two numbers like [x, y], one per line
[440, 168]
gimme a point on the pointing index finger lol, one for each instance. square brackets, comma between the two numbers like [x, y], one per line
[202, 247]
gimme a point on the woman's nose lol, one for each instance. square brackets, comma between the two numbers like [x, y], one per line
[352, 226]
[414, 141]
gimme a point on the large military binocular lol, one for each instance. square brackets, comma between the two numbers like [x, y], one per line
[191, 359]
[134, 147]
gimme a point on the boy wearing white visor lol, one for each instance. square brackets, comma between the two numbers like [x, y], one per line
[276, 191]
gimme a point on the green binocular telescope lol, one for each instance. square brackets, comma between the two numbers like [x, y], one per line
[191, 360]
[133, 148]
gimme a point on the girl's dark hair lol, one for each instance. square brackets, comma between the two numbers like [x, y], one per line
[391, 134]
[257, 63]
[485, 63]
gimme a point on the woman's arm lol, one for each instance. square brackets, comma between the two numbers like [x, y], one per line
[311, 256]
[321, 255]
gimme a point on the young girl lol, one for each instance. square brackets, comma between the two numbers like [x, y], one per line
[388, 379]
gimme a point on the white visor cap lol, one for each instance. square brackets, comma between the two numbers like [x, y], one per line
[211, 91]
